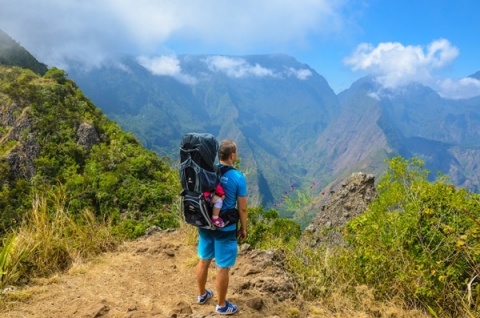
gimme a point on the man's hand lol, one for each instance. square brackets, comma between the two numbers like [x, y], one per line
[242, 233]
[242, 213]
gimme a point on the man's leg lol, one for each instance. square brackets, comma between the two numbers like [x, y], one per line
[226, 245]
[202, 274]
[221, 284]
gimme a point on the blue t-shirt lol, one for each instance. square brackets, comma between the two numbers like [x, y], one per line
[234, 185]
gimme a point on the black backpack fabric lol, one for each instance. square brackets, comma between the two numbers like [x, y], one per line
[199, 173]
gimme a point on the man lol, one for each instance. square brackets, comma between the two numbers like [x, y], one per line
[221, 243]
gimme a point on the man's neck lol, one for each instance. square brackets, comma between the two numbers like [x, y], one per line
[226, 163]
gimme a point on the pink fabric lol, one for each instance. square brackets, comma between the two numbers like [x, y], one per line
[219, 191]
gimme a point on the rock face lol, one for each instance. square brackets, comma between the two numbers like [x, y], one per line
[20, 146]
[21, 160]
[343, 204]
[263, 272]
[87, 136]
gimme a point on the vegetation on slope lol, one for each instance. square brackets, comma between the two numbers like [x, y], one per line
[116, 179]
[418, 243]
[61, 200]
[418, 240]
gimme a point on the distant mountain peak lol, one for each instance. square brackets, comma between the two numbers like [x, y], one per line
[373, 88]
[476, 75]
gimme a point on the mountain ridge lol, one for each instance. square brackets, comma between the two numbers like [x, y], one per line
[226, 106]
[294, 129]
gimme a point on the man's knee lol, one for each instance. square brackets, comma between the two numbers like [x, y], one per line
[223, 270]
[204, 263]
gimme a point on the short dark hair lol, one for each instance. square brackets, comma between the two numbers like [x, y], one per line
[227, 147]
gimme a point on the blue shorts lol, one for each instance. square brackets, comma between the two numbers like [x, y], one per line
[221, 245]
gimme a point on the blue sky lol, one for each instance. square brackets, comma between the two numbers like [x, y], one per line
[435, 42]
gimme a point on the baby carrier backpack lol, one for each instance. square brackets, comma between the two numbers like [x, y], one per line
[199, 173]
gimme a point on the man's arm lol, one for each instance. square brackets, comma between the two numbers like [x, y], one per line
[242, 211]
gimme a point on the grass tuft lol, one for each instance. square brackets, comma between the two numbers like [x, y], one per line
[49, 240]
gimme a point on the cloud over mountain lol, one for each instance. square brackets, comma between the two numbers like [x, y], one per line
[60, 31]
[237, 67]
[168, 66]
[395, 65]
[320, 33]
[234, 67]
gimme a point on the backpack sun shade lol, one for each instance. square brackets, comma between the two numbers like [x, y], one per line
[199, 173]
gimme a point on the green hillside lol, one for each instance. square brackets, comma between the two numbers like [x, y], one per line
[55, 143]
[13, 54]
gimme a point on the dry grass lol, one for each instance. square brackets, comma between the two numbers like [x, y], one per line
[50, 242]
[190, 233]
[361, 304]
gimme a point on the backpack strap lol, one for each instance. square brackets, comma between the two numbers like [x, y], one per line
[230, 216]
[225, 168]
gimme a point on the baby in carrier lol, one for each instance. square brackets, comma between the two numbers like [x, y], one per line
[215, 198]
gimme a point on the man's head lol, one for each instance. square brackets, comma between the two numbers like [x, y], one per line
[227, 150]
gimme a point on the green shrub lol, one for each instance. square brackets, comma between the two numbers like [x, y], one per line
[131, 228]
[267, 229]
[418, 240]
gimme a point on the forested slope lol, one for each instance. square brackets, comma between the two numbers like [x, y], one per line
[55, 143]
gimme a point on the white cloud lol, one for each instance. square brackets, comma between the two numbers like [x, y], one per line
[395, 65]
[458, 89]
[301, 74]
[374, 95]
[60, 31]
[237, 67]
[166, 66]
[123, 67]
[163, 65]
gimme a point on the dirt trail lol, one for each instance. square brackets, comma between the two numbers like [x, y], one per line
[154, 276]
